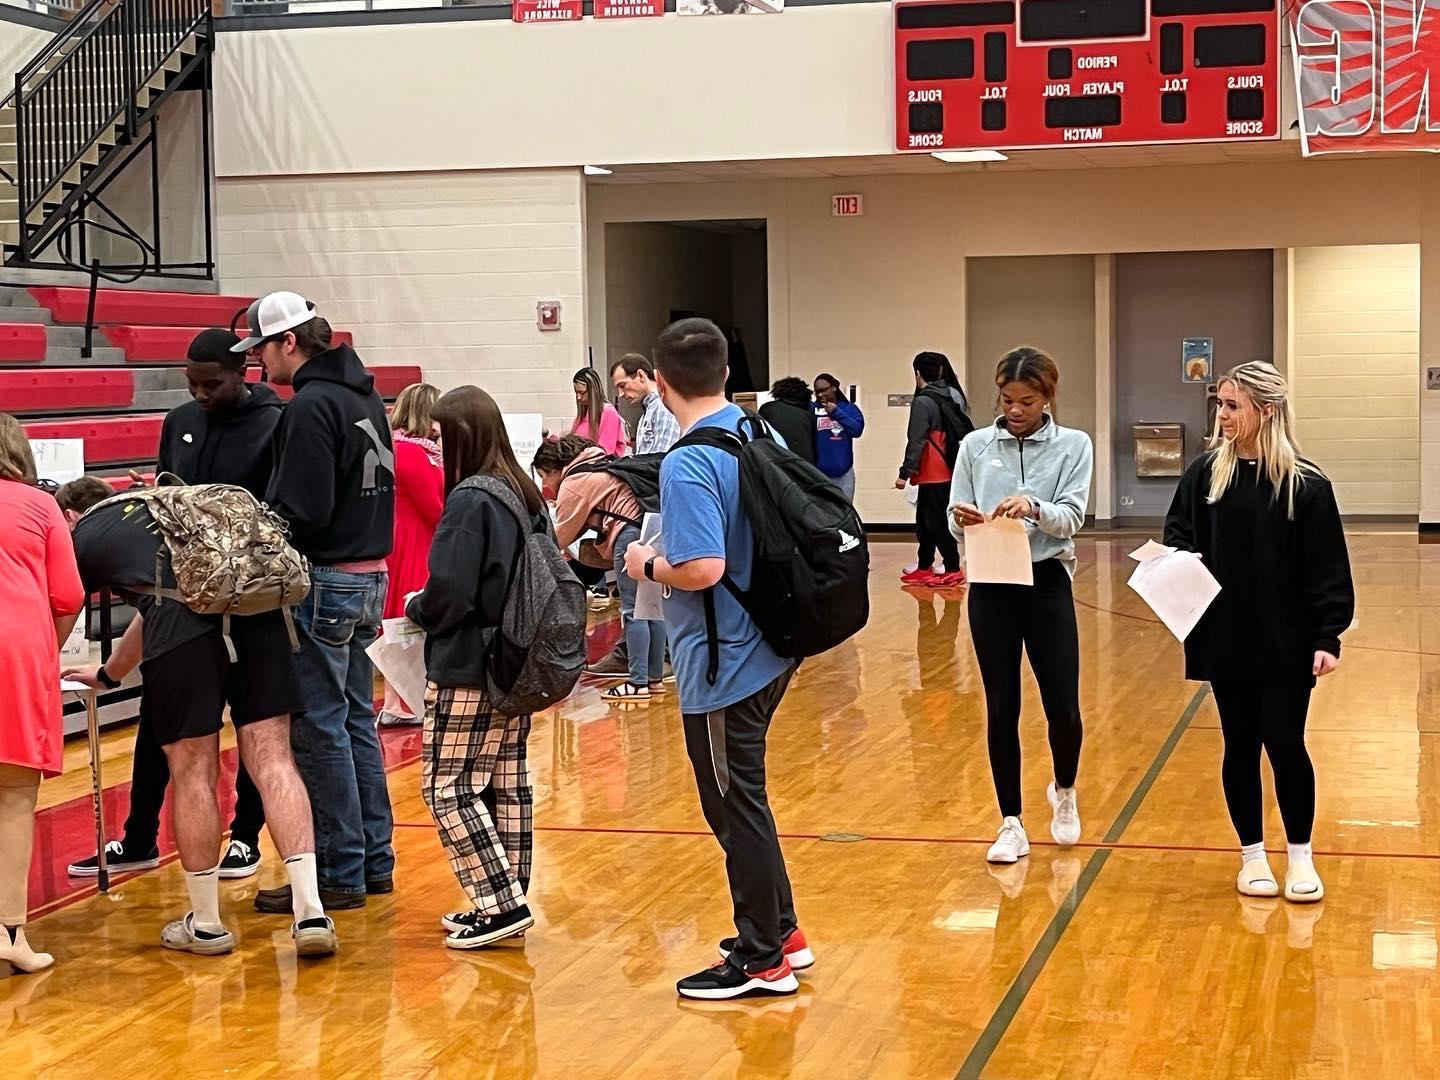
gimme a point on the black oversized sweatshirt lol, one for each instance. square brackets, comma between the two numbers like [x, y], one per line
[233, 446]
[1285, 586]
[334, 479]
[472, 560]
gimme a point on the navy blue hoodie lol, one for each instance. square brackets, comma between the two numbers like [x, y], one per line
[334, 478]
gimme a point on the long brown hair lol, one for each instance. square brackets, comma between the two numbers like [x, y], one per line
[594, 408]
[16, 460]
[474, 442]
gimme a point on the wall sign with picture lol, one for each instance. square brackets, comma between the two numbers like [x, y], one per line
[1197, 359]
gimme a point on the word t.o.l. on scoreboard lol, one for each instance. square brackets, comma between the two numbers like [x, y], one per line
[1026, 74]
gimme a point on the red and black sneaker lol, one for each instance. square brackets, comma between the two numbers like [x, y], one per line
[795, 949]
[728, 980]
[924, 576]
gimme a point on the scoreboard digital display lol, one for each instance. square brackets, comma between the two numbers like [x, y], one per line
[1029, 74]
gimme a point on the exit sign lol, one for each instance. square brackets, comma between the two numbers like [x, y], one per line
[847, 205]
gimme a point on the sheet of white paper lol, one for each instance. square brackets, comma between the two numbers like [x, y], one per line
[399, 654]
[1150, 550]
[76, 649]
[1176, 585]
[998, 553]
[912, 494]
[649, 604]
[60, 460]
[524, 430]
[69, 686]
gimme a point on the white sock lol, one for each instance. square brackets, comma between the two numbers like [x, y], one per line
[1300, 853]
[1252, 852]
[304, 887]
[204, 886]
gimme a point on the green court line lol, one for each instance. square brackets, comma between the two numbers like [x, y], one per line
[1009, 1006]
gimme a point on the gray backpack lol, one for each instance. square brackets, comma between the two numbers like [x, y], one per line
[536, 654]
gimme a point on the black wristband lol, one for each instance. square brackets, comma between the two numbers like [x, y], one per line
[105, 678]
[650, 567]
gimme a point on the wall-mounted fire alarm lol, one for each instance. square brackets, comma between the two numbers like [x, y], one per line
[547, 314]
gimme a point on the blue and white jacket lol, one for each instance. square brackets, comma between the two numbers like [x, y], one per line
[1051, 467]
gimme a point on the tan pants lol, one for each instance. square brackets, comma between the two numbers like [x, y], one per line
[19, 788]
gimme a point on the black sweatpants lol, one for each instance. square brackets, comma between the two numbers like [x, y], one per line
[727, 752]
[1041, 619]
[1252, 716]
[149, 776]
[932, 527]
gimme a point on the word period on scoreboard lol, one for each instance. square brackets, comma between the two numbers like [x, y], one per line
[1025, 74]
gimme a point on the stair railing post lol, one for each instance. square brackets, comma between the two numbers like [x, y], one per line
[21, 169]
[88, 351]
[131, 83]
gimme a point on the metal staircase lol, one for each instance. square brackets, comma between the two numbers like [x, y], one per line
[81, 111]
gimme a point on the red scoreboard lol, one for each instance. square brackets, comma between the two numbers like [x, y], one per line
[1024, 74]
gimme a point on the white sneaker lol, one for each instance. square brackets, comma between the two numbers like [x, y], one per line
[1065, 824]
[1012, 843]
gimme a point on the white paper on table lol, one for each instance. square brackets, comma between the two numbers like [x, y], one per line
[998, 553]
[70, 686]
[399, 655]
[60, 460]
[1176, 585]
[649, 595]
[76, 648]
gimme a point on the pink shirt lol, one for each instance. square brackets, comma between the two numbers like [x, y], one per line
[612, 438]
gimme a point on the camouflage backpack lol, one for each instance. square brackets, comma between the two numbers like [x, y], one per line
[228, 551]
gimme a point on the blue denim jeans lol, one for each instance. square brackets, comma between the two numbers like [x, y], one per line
[644, 641]
[334, 740]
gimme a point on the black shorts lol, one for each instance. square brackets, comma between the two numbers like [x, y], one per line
[187, 688]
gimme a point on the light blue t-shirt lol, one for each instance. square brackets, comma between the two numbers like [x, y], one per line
[702, 519]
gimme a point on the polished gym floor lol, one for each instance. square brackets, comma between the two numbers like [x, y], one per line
[1128, 956]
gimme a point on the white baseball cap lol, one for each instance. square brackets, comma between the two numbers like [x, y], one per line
[274, 314]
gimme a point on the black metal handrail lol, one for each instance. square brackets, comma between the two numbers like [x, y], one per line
[63, 112]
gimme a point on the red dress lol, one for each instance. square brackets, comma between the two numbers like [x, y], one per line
[40, 583]
[419, 498]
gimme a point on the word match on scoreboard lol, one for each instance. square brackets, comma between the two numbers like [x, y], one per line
[1029, 74]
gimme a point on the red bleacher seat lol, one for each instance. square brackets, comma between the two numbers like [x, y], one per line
[69, 305]
[22, 343]
[66, 388]
[168, 344]
[389, 381]
[107, 439]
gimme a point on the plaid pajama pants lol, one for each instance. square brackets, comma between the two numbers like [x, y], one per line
[468, 749]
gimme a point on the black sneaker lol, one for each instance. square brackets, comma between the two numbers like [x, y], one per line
[728, 980]
[241, 861]
[611, 666]
[380, 886]
[472, 930]
[794, 946]
[278, 902]
[118, 860]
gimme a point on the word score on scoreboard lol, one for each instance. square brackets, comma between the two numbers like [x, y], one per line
[1029, 74]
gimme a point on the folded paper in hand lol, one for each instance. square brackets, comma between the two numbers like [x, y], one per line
[399, 655]
[649, 605]
[1178, 587]
[998, 553]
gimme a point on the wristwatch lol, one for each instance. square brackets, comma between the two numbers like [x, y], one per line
[650, 567]
[105, 678]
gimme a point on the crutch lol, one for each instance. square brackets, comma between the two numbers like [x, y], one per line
[92, 721]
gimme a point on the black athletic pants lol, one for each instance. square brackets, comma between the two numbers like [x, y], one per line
[932, 527]
[1252, 716]
[727, 752]
[149, 776]
[1041, 619]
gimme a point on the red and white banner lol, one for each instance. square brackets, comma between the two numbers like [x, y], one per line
[539, 11]
[1367, 74]
[629, 9]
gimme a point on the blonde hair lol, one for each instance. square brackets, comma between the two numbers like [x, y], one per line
[1274, 438]
[16, 460]
[412, 410]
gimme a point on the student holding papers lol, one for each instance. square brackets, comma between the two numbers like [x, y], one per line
[1265, 523]
[1026, 469]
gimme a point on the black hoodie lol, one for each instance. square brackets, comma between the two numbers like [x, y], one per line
[334, 478]
[236, 446]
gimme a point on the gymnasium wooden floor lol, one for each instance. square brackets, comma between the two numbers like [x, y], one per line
[1128, 956]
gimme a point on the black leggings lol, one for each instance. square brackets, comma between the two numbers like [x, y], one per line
[932, 527]
[1253, 715]
[1041, 618]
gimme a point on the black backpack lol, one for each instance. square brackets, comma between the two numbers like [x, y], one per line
[641, 474]
[809, 583]
[955, 422]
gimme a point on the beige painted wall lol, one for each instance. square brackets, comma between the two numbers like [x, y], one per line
[18, 45]
[860, 296]
[438, 269]
[1356, 351]
[492, 94]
